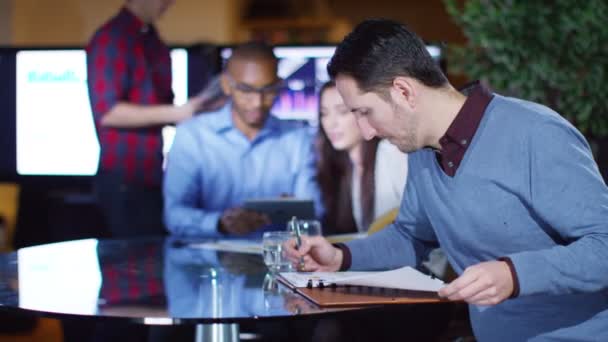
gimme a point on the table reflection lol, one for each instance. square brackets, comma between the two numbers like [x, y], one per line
[151, 281]
[198, 285]
[69, 282]
[280, 298]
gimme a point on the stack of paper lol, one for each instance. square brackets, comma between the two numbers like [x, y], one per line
[405, 278]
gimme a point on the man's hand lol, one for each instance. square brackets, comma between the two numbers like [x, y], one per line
[487, 283]
[238, 221]
[316, 252]
[188, 109]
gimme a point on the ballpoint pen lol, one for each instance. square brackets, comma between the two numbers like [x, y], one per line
[296, 228]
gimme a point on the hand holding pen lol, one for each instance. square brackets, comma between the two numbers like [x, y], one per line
[295, 227]
[313, 253]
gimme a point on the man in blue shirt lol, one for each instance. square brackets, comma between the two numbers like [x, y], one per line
[221, 159]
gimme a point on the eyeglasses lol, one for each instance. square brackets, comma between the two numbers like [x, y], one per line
[267, 90]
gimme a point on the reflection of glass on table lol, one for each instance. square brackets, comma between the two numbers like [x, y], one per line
[278, 297]
[273, 292]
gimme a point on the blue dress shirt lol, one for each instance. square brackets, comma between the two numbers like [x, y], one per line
[212, 167]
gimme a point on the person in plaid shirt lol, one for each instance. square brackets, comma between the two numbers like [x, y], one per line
[129, 79]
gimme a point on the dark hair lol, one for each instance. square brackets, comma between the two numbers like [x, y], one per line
[253, 51]
[334, 176]
[378, 50]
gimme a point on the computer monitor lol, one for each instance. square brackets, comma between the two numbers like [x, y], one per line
[47, 106]
[304, 69]
[55, 133]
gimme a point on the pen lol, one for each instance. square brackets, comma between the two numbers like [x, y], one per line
[296, 227]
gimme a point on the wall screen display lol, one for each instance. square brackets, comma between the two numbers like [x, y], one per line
[54, 125]
[304, 69]
[55, 134]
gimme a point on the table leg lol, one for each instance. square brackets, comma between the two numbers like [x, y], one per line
[217, 332]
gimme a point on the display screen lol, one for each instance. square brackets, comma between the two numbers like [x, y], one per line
[304, 69]
[55, 134]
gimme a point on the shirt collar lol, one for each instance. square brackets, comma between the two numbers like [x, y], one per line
[465, 124]
[133, 22]
[224, 121]
[458, 137]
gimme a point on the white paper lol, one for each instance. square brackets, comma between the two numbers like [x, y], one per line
[405, 278]
[237, 246]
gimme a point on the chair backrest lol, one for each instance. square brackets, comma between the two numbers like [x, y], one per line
[9, 202]
[382, 221]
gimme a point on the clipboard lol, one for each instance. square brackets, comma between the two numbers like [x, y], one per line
[342, 289]
[365, 296]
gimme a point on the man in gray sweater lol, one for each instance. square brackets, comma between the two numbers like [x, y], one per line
[507, 188]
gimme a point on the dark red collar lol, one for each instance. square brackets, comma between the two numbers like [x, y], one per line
[458, 137]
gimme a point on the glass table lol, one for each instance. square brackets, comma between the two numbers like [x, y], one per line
[148, 281]
[159, 282]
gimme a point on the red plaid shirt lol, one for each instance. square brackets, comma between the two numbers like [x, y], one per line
[127, 62]
[133, 275]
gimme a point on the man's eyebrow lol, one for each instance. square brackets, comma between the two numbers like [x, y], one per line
[247, 84]
[277, 80]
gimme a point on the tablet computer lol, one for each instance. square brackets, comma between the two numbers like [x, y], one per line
[281, 210]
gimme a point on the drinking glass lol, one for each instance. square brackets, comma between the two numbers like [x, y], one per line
[272, 246]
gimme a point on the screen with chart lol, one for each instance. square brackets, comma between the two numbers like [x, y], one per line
[304, 69]
[55, 133]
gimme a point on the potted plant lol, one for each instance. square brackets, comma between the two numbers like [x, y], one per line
[554, 53]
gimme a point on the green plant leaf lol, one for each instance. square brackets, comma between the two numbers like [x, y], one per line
[554, 54]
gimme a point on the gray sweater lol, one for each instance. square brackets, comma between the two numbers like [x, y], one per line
[529, 189]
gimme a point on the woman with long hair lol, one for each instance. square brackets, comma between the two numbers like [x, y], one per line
[359, 180]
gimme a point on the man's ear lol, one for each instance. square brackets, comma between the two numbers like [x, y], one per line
[225, 83]
[403, 91]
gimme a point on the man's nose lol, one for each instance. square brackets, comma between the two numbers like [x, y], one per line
[366, 129]
[257, 99]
